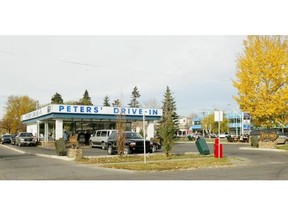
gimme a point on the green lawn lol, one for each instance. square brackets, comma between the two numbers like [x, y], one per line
[284, 147]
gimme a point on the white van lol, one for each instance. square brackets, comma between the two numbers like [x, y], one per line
[99, 138]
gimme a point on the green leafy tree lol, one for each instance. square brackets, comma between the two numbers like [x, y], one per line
[262, 80]
[16, 106]
[135, 95]
[86, 100]
[57, 99]
[106, 101]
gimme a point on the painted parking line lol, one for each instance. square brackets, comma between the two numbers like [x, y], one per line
[40, 155]
[16, 150]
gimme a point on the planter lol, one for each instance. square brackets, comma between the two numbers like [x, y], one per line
[74, 153]
[269, 145]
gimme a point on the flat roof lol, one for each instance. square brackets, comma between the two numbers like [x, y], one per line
[89, 113]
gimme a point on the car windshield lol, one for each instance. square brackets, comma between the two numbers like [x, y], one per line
[26, 135]
[133, 135]
[6, 136]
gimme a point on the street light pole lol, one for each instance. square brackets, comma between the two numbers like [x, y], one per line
[144, 135]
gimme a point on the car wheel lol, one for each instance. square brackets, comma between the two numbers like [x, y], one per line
[103, 145]
[110, 150]
[91, 144]
[154, 148]
[127, 150]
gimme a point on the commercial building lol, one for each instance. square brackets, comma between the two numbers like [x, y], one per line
[239, 123]
[50, 122]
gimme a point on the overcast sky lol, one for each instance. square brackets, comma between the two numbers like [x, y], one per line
[198, 69]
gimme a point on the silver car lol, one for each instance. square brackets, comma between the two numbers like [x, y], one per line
[25, 138]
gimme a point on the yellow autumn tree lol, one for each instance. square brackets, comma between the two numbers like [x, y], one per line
[262, 80]
[15, 107]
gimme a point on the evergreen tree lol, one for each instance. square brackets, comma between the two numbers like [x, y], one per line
[167, 132]
[169, 121]
[116, 103]
[169, 107]
[135, 95]
[86, 100]
[57, 99]
[106, 101]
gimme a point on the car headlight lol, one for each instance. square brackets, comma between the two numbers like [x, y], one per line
[22, 140]
[132, 144]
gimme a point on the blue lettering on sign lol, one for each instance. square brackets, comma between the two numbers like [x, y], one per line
[95, 109]
[61, 108]
[134, 111]
[116, 110]
[123, 110]
[155, 112]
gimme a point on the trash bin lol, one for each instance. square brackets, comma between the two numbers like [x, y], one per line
[60, 147]
[254, 141]
[202, 147]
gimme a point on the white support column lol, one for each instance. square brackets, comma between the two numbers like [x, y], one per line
[46, 132]
[150, 130]
[59, 128]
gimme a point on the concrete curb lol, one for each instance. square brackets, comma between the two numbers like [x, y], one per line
[262, 149]
[55, 157]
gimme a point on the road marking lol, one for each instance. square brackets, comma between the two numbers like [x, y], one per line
[17, 150]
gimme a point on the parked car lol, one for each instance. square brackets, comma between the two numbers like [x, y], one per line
[6, 138]
[156, 143]
[13, 139]
[222, 136]
[99, 138]
[134, 142]
[25, 138]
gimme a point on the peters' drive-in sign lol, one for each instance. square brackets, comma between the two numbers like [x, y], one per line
[101, 110]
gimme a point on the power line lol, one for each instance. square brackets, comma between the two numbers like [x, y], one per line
[83, 64]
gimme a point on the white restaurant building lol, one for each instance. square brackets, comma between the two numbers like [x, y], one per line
[50, 122]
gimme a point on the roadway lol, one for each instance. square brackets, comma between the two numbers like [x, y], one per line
[42, 163]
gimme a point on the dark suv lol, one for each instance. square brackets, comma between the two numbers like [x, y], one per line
[6, 138]
[134, 142]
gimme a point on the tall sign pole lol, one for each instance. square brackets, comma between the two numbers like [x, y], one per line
[144, 135]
